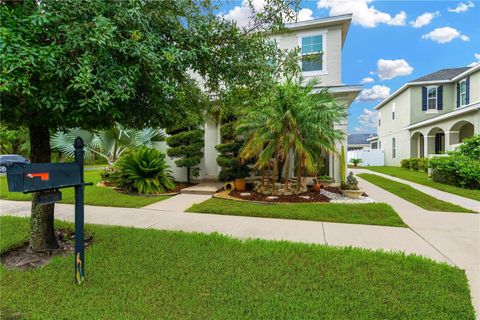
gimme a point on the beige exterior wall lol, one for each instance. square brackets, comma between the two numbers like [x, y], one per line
[395, 128]
[449, 103]
[333, 51]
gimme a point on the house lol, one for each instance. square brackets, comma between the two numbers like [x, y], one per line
[429, 115]
[358, 141]
[321, 42]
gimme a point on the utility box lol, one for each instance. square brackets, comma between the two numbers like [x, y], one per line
[34, 177]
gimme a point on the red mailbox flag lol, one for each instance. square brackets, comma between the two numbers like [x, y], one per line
[44, 176]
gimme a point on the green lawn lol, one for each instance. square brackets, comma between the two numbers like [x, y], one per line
[370, 213]
[422, 178]
[96, 196]
[412, 195]
[144, 273]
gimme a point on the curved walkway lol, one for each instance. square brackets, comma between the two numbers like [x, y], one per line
[442, 195]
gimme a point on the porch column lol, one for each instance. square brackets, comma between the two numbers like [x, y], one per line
[429, 145]
[451, 138]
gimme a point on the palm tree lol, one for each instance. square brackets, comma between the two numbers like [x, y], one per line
[109, 144]
[291, 121]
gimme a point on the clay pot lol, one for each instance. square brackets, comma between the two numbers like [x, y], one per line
[317, 186]
[240, 184]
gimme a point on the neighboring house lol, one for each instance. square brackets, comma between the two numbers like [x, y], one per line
[320, 42]
[430, 115]
[358, 141]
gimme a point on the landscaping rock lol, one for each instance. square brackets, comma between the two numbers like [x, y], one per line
[245, 194]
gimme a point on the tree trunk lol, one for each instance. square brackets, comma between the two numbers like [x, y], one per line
[42, 235]
[287, 171]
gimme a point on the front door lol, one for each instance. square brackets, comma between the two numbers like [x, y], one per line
[439, 143]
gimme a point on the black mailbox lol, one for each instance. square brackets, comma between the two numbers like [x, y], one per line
[42, 176]
[46, 178]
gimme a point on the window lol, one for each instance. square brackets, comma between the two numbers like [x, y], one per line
[463, 93]
[393, 148]
[393, 112]
[432, 98]
[312, 53]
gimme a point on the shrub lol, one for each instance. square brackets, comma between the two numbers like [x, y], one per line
[355, 162]
[470, 147]
[228, 157]
[416, 164]
[142, 170]
[186, 148]
[405, 163]
[456, 169]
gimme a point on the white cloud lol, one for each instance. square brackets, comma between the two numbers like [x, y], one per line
[367, 80]
[375, 93]
[389, 69]
[305, 14]
[462, 7]
[444, 35]
[367, 121]
[424, 19]
[242, 14]
[477, 57]
[364, 14]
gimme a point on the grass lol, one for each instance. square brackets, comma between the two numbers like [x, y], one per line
[95, 196]
[422, 178]
[412, 195]
[369, 213]
[144, 273]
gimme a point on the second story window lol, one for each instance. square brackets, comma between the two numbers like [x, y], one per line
[432, 98]
[463, 93]
[312, 53]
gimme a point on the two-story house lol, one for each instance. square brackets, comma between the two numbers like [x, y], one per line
[320, 44]
[429, 115]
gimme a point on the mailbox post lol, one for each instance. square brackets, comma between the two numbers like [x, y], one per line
[79, 214]
[26, 177]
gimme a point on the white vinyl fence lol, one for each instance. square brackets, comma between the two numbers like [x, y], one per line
[370, 157]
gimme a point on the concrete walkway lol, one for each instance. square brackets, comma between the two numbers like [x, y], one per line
[442, 195]
[446, 237]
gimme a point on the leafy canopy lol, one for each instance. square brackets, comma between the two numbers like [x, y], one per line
[66, 65]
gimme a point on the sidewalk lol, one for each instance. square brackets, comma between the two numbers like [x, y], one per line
[442, 195]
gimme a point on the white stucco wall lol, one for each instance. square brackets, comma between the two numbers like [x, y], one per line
[333, 51]
[394, 128]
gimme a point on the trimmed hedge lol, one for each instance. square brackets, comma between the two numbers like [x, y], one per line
[460, 167]
[416, 164]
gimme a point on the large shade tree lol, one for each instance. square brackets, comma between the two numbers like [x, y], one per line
[92, 64]
[291, 120]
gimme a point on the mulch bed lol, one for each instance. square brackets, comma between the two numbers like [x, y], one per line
[23, 259]
[296, 198]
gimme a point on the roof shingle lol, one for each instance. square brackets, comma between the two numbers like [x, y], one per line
[444, 74]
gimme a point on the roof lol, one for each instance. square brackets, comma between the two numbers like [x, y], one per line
[359, 138]
[444, 74]
[456, 75]
[341, 20]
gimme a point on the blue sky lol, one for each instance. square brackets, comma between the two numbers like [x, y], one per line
[385, 44]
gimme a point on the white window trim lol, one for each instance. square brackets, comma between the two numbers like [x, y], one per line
[460, 93]
[324, 50]
[436, 100]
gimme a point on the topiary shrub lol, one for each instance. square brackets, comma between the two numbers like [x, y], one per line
[229, 151]
[142, 170]
[186, 147]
